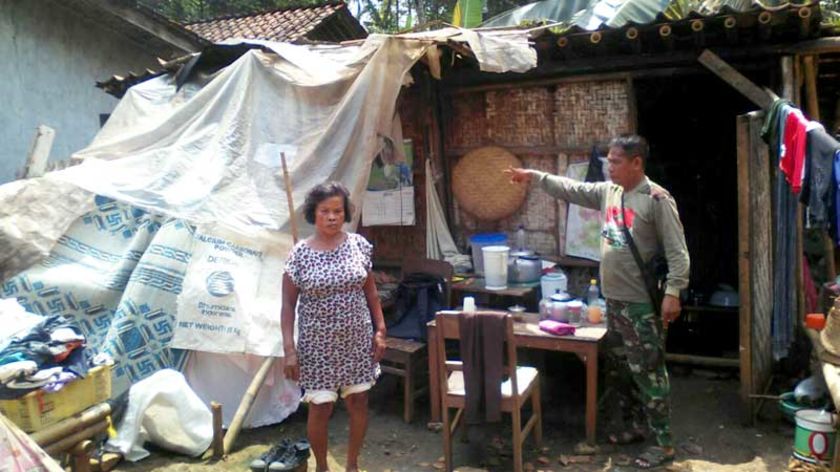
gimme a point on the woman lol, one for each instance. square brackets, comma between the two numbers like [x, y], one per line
[328, 277]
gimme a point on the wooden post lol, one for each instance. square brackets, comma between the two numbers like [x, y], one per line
[811, 98]
[745, 313]
[218, 436]
[755, 261]
[39, 152]
[81, 456]
[259, 378]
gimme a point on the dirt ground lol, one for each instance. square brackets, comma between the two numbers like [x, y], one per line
[707, 426]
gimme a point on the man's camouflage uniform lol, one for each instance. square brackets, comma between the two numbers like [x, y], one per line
[635, 353]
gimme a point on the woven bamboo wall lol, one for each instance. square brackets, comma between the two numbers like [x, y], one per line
[547, 128]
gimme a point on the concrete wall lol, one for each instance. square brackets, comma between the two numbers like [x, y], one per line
[51, 60]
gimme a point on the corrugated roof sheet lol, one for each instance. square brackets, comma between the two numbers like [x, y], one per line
[289, 25]
[592, 15]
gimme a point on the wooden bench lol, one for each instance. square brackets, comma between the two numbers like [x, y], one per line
[404, 358]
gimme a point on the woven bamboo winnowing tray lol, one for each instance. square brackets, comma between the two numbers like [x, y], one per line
[482, 189]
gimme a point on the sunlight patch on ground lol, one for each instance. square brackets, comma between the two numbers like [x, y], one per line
[755, 465]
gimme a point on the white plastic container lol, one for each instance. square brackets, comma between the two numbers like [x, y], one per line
[552, 283]
[495, 267]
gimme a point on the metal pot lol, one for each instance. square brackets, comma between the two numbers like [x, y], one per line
[523, 267]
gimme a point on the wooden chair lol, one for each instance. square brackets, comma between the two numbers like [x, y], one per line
[405, 358]
[522, 383]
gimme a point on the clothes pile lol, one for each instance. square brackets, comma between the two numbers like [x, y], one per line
[37, 352]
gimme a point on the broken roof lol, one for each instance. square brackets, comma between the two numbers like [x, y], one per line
[145, 27]
[326, 22]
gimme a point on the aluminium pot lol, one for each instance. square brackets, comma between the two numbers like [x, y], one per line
[524, 267]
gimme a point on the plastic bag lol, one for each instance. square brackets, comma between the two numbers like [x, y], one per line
[164, 410]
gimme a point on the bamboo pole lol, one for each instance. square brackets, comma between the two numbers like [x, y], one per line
[259, 378]
[75, 438]
[68, 426]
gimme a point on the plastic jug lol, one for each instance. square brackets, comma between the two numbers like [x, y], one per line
[495, 267]
[552, 283]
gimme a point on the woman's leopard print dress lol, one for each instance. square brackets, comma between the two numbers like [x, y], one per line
[335, 330]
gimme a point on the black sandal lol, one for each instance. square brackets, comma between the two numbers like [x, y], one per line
[652, 457]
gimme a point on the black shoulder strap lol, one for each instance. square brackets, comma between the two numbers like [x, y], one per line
[647, 277]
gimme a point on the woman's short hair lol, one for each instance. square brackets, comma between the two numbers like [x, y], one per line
[323, 192]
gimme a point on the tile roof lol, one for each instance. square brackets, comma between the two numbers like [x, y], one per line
[288, 24]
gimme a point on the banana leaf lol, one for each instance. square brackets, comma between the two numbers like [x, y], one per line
[467, 13]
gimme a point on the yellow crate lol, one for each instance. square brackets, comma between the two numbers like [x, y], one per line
[38, 409]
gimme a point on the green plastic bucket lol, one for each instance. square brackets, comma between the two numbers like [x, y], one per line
[814, 438]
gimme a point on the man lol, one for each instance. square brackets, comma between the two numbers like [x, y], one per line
[635, 340]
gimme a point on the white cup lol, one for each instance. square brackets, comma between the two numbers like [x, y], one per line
[469, 304]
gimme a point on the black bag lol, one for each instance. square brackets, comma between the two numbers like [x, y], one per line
[654, 272]
[419, 296]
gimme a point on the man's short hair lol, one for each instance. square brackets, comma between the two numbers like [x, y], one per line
[633, 145]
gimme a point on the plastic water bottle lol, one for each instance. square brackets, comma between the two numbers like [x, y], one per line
[593, 310]
[520, 238]
[593, 294]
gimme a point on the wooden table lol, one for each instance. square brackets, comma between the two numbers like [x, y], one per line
[528, 335]
[525, 294]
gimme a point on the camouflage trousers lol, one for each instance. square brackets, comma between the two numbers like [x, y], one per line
[635, 353]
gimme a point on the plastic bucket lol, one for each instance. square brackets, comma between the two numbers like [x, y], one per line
[552, 283]
[478, 241]
[814, 438]
[495, 267]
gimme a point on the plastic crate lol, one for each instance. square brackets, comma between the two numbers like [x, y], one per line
[38, 409]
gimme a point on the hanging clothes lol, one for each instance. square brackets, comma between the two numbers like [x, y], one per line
[792, 161]
[818, 189]
[595, 171]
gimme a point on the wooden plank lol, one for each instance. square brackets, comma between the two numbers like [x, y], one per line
[734, 78]
[39, 152]
[809, 64]
[761, 263]
[745, 316]
[817, 46]
[455, 152]
[172, 34]
[810, 70]
[632, 108]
